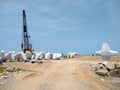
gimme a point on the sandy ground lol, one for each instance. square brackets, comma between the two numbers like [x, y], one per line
[74, 74]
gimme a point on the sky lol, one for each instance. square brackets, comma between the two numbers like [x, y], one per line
[61, 25]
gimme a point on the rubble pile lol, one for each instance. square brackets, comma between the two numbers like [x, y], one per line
[107, 68]
[14, 69]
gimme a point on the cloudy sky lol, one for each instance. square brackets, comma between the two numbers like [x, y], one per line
[61, 25]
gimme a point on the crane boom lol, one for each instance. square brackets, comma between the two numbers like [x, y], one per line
[26, 46]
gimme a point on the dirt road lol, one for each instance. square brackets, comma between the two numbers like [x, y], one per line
[56, 75]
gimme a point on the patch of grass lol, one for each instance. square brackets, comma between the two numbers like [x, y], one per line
[3, 69]
[65, 56]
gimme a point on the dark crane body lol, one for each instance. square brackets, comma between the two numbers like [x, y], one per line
[26, 46]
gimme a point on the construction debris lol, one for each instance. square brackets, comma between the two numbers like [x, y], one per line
[4, 77]
[117, 65]
[115, 73]
[109, 65]
[14, 69]
[107, 68]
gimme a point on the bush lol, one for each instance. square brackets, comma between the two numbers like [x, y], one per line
[65, 56]
[3, 69]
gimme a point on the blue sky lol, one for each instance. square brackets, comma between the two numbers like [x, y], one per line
[61, 25]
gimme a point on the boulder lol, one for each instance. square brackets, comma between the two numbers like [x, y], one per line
[101, 69]
[5, 77]
[117, 65]
[109, 65]
[115, 73]
[71, 54]
[33, 61]
[48, 56]
[102, 72]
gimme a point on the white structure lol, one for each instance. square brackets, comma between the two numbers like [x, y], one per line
[28, 56]
[39, 55]
[105, 52]
[19, 56]
[48, 56]
[57, 56]
[10, 56]
[2, 55]
[71, 54]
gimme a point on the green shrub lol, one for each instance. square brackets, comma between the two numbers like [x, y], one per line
[65, 56]
[3, 69]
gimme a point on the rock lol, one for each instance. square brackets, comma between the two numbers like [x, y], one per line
[109, 65]
[100, 69]
[17, 69]
[2, 84]
[107, 68]
[94, 66]
[27, 60]
[117, 65]
[102, 72]
[40, 62]
[102, 79]
[14, 69]
[115, 73]
[33, 61]
[10, 70]
[4, 77]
